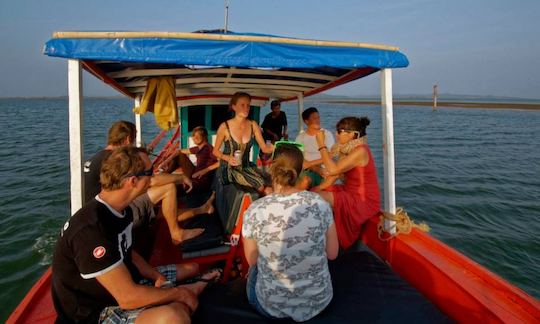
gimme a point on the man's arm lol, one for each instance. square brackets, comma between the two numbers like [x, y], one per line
[146, 270]
[204, 171]
[285, 134]
[130, 295]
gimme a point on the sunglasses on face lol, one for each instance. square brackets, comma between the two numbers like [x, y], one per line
[145, 173]
[339, 131]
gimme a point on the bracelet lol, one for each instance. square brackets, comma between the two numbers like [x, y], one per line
[323, 147]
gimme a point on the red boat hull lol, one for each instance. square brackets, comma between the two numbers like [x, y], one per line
[458, 286]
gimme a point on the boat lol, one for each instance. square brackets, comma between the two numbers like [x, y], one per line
[393, 278]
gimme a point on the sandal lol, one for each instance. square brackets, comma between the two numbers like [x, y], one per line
[200, 278]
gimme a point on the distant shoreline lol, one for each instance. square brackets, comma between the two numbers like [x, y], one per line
[445, 104]
[371, 102]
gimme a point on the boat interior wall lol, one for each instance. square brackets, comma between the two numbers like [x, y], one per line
[211, 116]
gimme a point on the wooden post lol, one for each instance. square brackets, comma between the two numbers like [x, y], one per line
[300, 110]
[75, 134]
[388, 147]
[435, 94]
[138, 125]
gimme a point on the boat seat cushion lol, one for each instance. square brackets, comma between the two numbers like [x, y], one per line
[228, 203]
[366, 290]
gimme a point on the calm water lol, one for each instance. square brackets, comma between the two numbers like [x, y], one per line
[472, 174]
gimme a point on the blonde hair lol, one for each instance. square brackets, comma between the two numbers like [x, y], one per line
[287, 165]
[122, 162]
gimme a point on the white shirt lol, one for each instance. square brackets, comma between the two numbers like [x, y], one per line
[311, 149]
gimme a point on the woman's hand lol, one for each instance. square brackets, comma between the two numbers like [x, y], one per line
[232, 161]
[269, 148]
[319, 136]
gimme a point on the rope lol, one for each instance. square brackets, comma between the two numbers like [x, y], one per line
[403, 224]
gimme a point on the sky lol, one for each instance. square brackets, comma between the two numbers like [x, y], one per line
[467, 47]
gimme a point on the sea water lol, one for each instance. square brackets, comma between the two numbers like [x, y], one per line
[472, 174]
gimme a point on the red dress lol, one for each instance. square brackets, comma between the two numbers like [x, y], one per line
[356, 201]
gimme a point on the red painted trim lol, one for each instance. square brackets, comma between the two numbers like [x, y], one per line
[355, 74]
[37, 305]
[98, 73]
[458, 286]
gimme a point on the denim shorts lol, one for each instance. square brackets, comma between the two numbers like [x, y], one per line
[251, 294]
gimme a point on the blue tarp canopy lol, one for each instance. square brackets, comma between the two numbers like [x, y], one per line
[110, 53]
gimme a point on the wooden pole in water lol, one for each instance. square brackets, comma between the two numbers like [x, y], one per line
[226, 15]
[435, 94]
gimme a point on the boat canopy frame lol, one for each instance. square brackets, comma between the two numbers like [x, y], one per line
[213, 65]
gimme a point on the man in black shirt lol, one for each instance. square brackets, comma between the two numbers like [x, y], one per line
[97, 276]
[275, 123]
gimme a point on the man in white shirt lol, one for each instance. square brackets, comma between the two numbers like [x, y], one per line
[312, 175]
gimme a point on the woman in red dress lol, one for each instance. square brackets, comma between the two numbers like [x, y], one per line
[358, 198]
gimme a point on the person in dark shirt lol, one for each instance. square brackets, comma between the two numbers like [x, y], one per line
[162, 188]
[97, 276]
[202, 173]
[275, 123]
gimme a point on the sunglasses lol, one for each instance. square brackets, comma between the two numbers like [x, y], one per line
[145, 173]
[277, 144]
[339, 131]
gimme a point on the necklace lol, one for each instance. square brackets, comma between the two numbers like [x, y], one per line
[346, 148]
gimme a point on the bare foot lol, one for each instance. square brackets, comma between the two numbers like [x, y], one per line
[185, 234]
[209, 276]
[208, 206]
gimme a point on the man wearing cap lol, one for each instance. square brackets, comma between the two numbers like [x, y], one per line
[275, 123]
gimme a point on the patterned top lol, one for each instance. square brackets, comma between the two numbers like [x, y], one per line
[290, 232]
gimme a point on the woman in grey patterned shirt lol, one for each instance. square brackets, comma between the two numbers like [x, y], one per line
[289, 236]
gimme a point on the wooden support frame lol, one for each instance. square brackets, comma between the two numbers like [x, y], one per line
[387, 116]
[75, 134]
